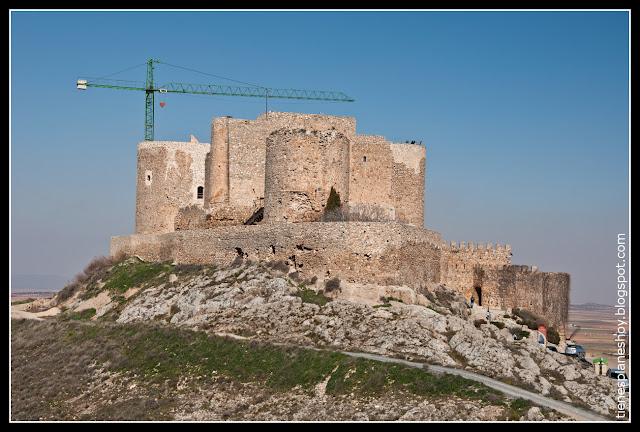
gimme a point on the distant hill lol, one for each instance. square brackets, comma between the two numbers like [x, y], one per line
[37, 283]
[590, 307]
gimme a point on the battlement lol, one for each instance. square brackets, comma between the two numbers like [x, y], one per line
[520, 268]
[174, 145]
[489, 247]
[295, 117]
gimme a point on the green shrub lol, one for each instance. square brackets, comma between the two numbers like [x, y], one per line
[119, 299]
[333, 202]
[130, 274]
[479, 322]
[295, 276]
[333, 211]
[174, 309]
[279, 265]
[83, 315]
[332, 285]
[531, 320]
[19, 302]
[518, 408]
[498, 324]
[310, 296]
[67, 292]
[553, 336]
[519, 333]
[390, 299]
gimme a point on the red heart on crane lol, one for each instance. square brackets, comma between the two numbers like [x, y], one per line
[162, 104]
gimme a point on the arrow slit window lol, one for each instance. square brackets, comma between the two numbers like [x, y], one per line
[200, 192]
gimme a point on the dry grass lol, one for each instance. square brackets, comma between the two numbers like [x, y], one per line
[96, 266]
[55, 367]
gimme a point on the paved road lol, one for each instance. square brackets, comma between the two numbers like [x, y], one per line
[538, 399]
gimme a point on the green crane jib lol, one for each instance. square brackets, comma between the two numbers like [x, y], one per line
[205, 89]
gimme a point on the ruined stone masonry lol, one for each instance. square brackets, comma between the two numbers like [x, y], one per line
[258, 192]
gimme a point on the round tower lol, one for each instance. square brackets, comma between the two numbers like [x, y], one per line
[301, 167]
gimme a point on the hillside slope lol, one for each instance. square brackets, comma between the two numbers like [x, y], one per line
[264, 304]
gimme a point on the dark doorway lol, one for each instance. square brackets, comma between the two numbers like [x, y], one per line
[479, 295]
[256, 217]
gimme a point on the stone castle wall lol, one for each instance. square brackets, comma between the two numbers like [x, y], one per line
[459, 261]
[168, 176]
[486, 274]
[352, 251]
[364, 252]
[543, 293]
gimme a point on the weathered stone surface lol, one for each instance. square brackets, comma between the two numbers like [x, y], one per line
[535, 414]
[168, 177]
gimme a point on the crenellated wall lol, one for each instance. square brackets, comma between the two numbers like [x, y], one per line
[460, 260]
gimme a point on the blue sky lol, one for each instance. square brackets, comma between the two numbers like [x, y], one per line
[524, 115]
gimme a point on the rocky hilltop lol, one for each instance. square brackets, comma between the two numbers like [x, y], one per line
[253, 304]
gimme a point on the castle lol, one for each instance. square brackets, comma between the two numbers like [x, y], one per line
[259, 191]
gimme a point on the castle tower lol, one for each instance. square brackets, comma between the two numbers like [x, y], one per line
[301, 167]
[170, 176]
[387, 179]
[407, 184]
[235, 167]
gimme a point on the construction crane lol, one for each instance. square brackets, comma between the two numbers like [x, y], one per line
[256, 91]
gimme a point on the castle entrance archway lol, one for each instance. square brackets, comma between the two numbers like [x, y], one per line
[478, 295]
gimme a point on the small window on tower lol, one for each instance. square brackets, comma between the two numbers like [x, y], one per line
[364, 158]
[200, 192]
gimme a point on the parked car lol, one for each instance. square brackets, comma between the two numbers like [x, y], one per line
[575, 350]
[619, 375]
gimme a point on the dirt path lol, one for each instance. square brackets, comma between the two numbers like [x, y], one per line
[562, 407]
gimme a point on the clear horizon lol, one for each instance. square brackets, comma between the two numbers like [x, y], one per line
[524, 116]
